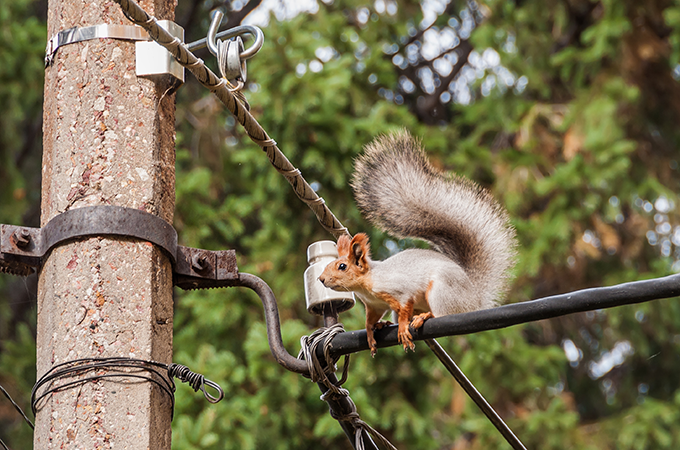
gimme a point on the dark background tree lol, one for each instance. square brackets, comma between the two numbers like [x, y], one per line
[566, 110]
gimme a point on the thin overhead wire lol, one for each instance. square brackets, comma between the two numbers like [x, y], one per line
[474, 394]
[17, 407]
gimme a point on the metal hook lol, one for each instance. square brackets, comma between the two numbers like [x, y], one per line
[213, 35]
[212, 31]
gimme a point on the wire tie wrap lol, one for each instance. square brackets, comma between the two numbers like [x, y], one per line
[121, 367]
[196, 381]
[317, 373]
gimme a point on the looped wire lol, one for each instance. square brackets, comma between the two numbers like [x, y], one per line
[196, 381]
[269, 142]
[95, 369]
[236, 89]
[318, 201]
[317, 373]
[358, 424]
[290, 173]
[196, 64]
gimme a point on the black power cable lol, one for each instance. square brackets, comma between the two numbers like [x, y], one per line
[516, 313]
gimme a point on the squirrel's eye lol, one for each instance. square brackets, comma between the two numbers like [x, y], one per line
[342, 266]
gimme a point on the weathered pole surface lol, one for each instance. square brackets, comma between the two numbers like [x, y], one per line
[108, 140]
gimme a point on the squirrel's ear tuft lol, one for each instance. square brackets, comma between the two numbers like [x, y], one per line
[343, 245]
[360, 249]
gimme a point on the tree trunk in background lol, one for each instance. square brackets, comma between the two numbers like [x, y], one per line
[108, 140]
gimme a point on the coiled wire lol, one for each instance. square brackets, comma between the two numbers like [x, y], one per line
[160, 374]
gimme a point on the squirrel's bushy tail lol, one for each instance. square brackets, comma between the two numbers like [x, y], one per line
[399, 191]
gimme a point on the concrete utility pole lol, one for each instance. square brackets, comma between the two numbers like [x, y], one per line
[108, 140]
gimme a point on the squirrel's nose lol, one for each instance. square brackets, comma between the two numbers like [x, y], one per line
[322, 279]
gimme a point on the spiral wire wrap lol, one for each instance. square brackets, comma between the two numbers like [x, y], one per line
[196, 381]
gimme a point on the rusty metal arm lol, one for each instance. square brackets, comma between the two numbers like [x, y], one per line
[271, 314]
[271, 310]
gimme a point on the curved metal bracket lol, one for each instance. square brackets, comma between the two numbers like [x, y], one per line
[22, 248]
[271, 315]
[89, 221]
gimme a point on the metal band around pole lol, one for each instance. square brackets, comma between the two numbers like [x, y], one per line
[105, 30]
[102, 220]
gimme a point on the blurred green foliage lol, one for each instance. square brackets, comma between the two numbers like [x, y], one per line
[22, 49]
[584, 156]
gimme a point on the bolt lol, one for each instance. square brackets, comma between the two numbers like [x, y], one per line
[22, 237]
[198, 262]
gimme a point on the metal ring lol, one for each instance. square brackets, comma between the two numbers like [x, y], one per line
[231, 65]
[213, 35]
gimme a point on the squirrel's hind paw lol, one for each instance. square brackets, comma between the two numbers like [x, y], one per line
[420, 319]
[382, 324]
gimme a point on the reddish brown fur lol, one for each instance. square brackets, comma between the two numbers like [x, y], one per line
[404, 315]
[343, 245]
[360, 250]
[355, 254]
[372, 323]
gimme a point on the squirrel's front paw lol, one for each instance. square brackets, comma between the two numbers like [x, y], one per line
[406, 339]
[418, 320]
[372, 344]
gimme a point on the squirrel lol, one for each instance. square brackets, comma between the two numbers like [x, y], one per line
[399, 191]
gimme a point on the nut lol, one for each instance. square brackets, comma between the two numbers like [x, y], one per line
[22, 238]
